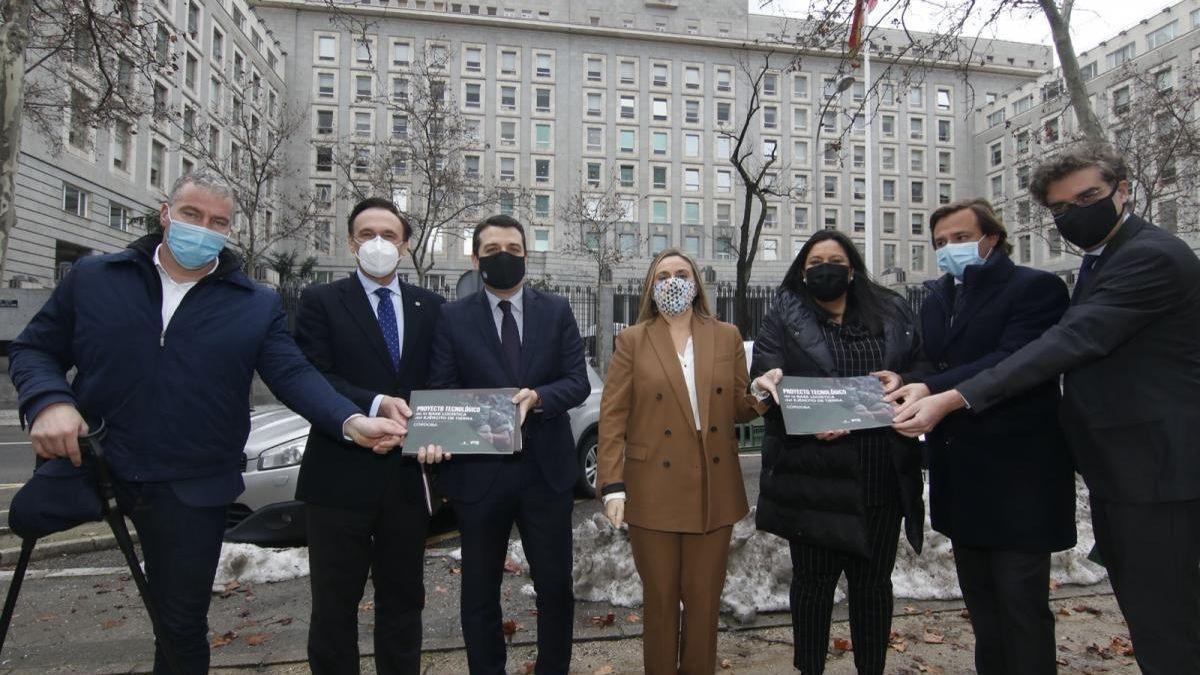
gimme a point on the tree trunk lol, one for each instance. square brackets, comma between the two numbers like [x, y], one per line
[1060, 29]
[741, 304]
[14, 36]
[604, 326]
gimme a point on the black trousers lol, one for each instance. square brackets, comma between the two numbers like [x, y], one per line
[815, 573]
[343, 546]
[519, 495]
[181, 545]
[1008, 596]
[1152, 553]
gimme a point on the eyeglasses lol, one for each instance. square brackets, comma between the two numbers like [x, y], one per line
[1087, 198]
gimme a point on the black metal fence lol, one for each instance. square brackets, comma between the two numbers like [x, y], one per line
[627, 295]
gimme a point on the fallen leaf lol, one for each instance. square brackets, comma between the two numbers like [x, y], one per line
[455, 570]
[1090, 610]
[529, 667]
[285, 621]
[965, 614]
[726, 664]
[841, 646]
[512, 567]
[603, 670]
[1062, 662]
[900, 646]
[909, 609]
[46, 617]
[510, 628]
[932, 638]
[633, 618]
[604, 621]
[367, 606]
[112, 623]
[1121, 646]
[223, 639]
[257, 639]
[1054, 585]
[1063, 611]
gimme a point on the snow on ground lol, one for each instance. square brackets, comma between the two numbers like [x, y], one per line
[250, 564]
[759, 570]
[757, 580]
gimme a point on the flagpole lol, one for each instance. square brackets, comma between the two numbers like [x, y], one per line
[871, 240]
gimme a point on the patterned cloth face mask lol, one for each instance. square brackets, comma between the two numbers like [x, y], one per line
[674, 295]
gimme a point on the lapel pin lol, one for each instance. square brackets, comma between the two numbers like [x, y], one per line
[417, 303]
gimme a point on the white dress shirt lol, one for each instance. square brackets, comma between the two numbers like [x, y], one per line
[370, 286]
[172, 292]
[687, 360]
[516, 309]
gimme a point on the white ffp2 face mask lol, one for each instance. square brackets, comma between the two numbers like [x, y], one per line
[378, 257]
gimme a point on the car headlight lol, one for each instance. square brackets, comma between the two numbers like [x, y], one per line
[280, 456]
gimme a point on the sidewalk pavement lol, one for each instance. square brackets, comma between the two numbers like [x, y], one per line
[96, 624]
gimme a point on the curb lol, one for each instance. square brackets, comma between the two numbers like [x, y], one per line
[50, 549]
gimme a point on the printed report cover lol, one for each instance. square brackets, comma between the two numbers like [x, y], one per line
[811, 405]
[464, 421]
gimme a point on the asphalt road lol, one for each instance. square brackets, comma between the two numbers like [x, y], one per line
[16, 465]
[89, 596]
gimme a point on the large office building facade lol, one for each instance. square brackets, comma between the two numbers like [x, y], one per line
[568, 97]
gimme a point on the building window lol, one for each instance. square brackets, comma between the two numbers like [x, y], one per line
[158, 161]
[118, 217]
[75, 201]
[918, 257]
[326, 48]
[594, 139]
[917, 191]
[543, 64]
[325, 85]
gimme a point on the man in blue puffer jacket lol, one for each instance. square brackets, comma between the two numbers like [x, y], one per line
[165, 337]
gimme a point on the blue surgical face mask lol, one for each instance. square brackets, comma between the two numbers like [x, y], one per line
[193, 246]
[953, 259]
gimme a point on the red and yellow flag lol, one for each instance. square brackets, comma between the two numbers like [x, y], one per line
[861, 9]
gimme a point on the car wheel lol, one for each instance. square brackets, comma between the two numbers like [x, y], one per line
[588, 450]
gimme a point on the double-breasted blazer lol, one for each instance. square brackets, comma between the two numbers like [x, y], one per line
[676, 479]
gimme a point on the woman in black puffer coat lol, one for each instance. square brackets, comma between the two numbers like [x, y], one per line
[837, 497]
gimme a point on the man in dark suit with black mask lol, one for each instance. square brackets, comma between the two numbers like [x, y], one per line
[370, 334]
[1130, 356]
[512, 335]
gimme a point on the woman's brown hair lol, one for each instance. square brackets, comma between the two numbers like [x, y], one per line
[647, 310]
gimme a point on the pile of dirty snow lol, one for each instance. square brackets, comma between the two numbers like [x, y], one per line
[250, 564]
[760, 567]
[758, 576]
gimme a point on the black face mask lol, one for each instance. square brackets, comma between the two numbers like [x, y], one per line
[502, 270]
[1087, 226]
[827, 281]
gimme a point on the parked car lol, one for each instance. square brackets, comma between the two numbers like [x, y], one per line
[267, 512]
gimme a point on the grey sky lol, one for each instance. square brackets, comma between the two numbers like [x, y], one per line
[1092, 21]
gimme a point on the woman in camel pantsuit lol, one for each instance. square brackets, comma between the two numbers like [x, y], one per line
[668, 460]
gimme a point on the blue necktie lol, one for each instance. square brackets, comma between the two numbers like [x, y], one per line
[387, 323]
[510, 338]
[1085, 272]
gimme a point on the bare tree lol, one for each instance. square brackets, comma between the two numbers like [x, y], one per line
[951, 40]
[274, 204]
[758, 170]
[1149, 115]
[429, 164]
[78, 64]
[1155, 129]
[601, 227]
